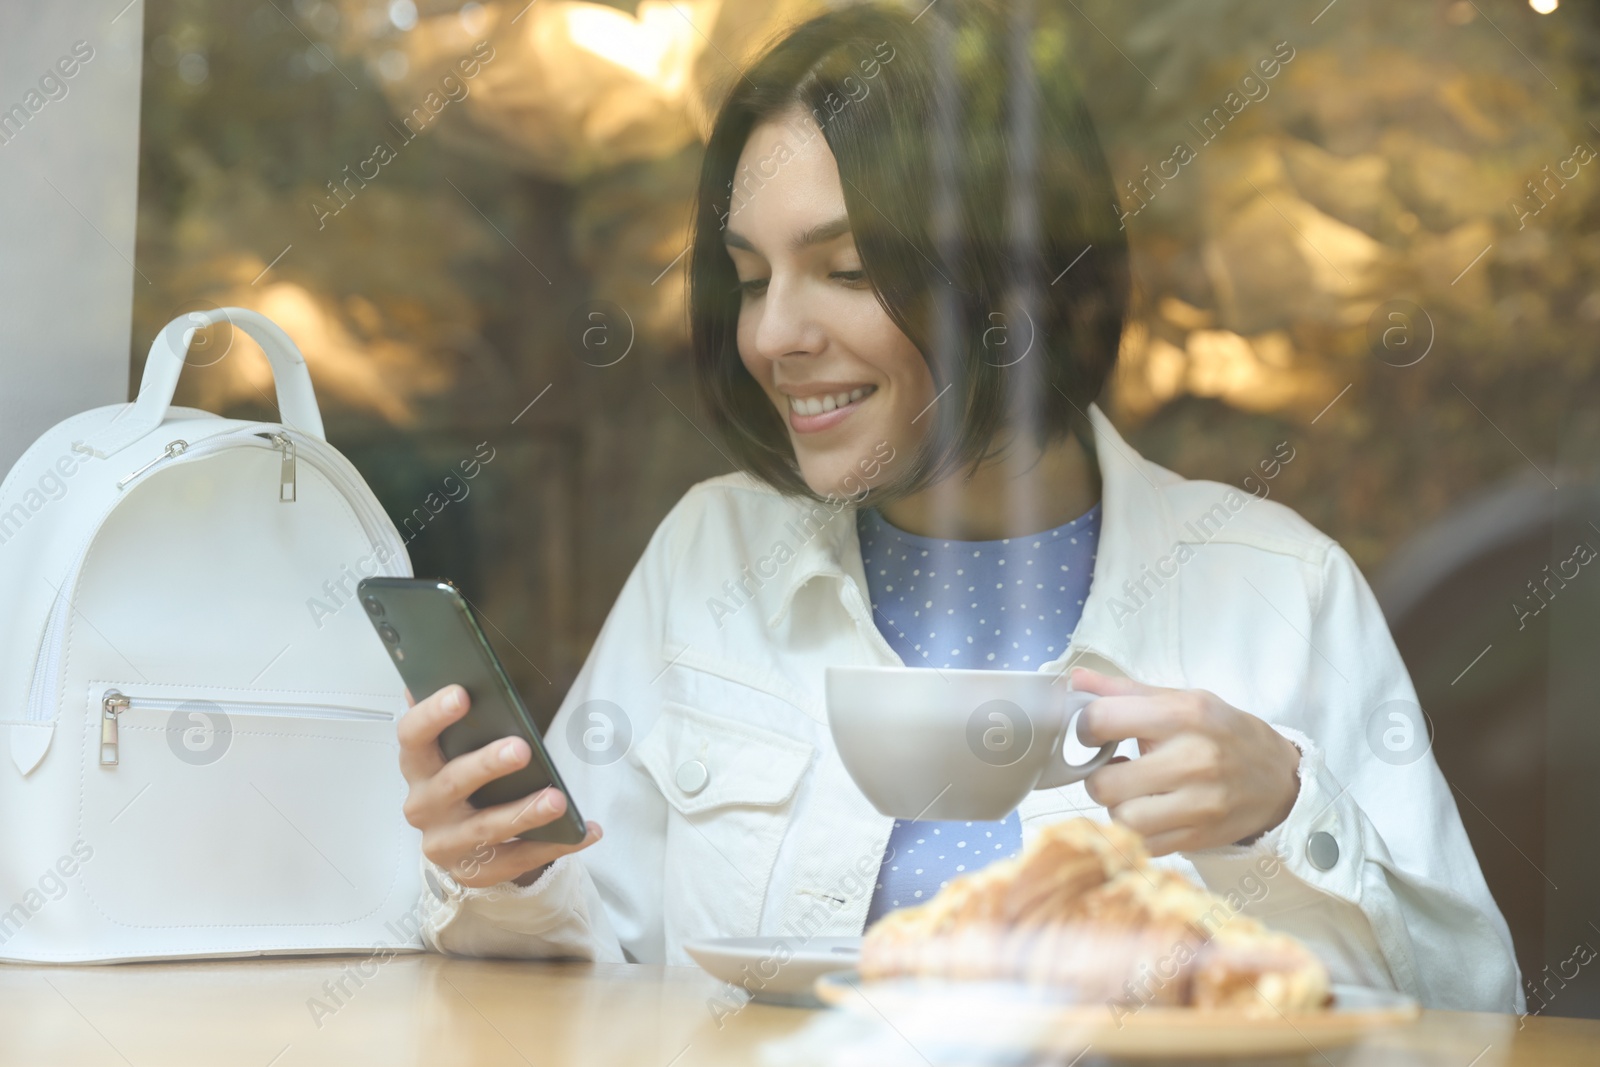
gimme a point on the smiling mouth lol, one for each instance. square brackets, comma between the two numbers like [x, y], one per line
[818, 405]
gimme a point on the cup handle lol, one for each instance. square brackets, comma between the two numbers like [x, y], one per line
[1058, 771]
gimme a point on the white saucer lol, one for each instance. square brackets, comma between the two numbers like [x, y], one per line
[998, 1021]
[775, 970]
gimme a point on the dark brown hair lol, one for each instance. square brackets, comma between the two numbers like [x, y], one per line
[973, 178]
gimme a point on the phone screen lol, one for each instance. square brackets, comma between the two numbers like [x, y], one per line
[434, 640]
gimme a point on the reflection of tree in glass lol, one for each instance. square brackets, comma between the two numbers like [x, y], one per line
[1383, 162]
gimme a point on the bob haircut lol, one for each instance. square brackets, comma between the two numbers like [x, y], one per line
[982, 208]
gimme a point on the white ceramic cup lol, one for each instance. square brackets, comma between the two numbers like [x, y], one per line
[954, 744]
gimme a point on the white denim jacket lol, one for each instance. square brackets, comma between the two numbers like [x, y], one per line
[714, 654]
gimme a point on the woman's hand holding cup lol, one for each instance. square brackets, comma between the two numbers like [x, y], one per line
[1207, 774]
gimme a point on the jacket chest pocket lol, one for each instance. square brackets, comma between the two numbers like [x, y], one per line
[730, 789]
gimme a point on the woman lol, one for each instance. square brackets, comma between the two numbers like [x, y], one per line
[906, 293]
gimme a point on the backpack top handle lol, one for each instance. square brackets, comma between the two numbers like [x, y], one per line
[297, 402]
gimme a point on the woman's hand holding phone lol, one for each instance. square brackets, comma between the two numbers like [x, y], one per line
[478, 846]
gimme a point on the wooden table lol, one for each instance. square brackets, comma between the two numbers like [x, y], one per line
[433, 1011]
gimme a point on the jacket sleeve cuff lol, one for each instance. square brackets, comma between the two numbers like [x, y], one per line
[558, 915]
[1319, 844]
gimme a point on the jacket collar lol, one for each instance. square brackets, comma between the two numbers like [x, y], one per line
[1136, 529]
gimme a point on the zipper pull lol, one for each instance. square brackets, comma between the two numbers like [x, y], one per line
[111, 705]
[286, 486]
[174, 448]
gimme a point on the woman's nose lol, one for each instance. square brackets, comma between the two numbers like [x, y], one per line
[786, 327]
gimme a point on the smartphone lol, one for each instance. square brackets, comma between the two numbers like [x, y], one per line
[434, 639]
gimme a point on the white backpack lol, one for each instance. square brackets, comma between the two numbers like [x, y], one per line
[200, 720]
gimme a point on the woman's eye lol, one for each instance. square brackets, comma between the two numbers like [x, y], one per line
[753, 287]
[850, 277]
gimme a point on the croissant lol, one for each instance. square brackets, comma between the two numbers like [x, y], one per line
[1082, 912]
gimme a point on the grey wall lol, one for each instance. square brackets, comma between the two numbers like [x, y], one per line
[69, 156]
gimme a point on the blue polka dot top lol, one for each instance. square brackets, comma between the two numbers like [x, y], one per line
[1010, 604]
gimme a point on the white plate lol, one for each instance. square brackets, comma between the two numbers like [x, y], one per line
[776, 970]
[997, 1017]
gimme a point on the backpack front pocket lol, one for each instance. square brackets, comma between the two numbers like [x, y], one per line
[254, 809]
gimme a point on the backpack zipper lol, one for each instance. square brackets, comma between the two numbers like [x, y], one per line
[111, 705]
[280, 440]
[293, 445]
[286, 486]
[174, 448]
[115, 703]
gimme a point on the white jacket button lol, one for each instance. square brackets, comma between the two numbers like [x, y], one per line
[692, 777]
[1323, 850]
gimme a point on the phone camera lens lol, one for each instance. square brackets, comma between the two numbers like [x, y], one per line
[389, 633]
[374, 607]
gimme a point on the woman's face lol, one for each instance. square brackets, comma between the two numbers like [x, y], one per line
[845, 379]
